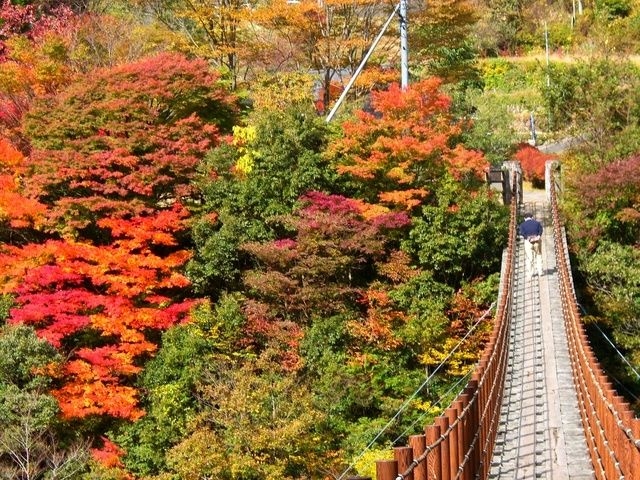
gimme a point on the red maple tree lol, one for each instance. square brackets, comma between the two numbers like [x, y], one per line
[109, 177]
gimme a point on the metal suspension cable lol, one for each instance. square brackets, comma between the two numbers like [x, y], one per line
[439, 402]
[620, 354]
[361, 66]
[617, 351]
[413, 395]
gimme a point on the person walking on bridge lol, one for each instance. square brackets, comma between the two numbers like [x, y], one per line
[531, 231]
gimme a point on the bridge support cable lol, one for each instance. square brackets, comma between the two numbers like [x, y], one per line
[612, 432]
[423, 385]
[459, 445]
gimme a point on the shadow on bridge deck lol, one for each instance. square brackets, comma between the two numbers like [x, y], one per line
[540, 434]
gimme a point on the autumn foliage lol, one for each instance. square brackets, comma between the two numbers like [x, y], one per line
[116, 180]
[532, 162]
[109, 295]
[609, 200]
[107, 180]
[15, 209]
[403, 143]
[321, 270]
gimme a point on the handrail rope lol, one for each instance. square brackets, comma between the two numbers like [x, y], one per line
[458, 419]
[454, 424]
[539, 365]
[569, 297]
[582, 395]
[501, 314]
[589, 408]
[413, 395]
[446, 433]
[601, 431]
[589, 369]
[573, 320]
[497, 407]
[484, 412]
[575, 315]
[522, 395]
[461, 416]
[620, 354]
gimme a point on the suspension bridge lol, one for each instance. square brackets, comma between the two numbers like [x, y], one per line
[538, 405]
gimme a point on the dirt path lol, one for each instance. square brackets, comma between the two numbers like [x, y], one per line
[534, 195]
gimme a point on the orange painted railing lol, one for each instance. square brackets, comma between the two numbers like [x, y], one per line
[612, 432]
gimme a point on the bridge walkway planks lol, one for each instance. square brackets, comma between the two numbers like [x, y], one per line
[540, 434]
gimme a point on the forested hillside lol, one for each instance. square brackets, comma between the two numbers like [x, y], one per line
[201, 277]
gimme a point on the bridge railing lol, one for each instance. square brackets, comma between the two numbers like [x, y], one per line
[459, 444]
[612, 432]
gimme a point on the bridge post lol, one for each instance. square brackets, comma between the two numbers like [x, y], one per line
[635, 451]
[433, 464]
[549, 167]
[445, 450]
[512, 167]
[386, 469]
[483, 424]
[474, 396]
[464, 439]
[452, 414]
[404, 457]
[418, 443]
[623, 446]
[460, 404]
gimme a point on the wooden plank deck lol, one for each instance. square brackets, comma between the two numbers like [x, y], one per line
[540, 434]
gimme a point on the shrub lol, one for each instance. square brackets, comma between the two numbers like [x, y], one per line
[532, 161]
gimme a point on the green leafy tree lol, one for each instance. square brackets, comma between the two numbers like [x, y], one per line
[501, 25]
[170, 381]
[613, 277]
[441, 40]
[599, 102]
[460, 237]
[33, 442]
[260, 424]
[262, 173]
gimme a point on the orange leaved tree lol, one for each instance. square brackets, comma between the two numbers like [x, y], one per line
[109, 181]
[399, 148]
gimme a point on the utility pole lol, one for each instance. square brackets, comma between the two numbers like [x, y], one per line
[546, 49]
[404, 46]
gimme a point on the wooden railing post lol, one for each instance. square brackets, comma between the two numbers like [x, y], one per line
[433, 463]
[404, 457]
[418, 444]
[474, 417]
[386, 469]
[445, 450]
[460, 405]
[452, 461]
[467, 435]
